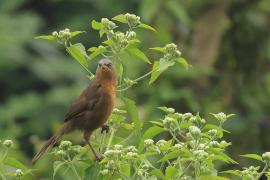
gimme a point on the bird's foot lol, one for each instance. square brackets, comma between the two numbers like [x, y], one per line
[105, 128]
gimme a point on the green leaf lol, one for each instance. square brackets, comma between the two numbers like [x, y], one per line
[96, 25]
[46, 37]
[253, 156]
[234, 172]
[165, 64]
[120, 18]
[15, 163]
[222, 156]
[155, 74]
[139, 54]
[150, 133]
[211, 177]
[171, 155]
[160, 49]
[76, 33]
[183, 62]
[126, 126]
[125, 168]
[96, 52]
[77, 51]
[145, 26]
[56, 166]
[157, 173]
[171, 172]
[133, 113]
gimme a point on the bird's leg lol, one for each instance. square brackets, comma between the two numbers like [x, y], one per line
[105, 128]
[87, 138]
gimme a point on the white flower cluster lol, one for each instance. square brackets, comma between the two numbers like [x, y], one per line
[8, 143]
[266, 157]
[194, 131]
[132, 19]
[148, 142]
[250, 172]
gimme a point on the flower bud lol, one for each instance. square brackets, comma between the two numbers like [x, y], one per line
[168, 120]
[179, 145]
[161, 143]
[54, 33]
[266, 157]
[194, 131]
[18, 173]
[148, 142]
[118, 147]
[104, 172]
[131, 35]
[65, 145]
[212, 132]
[8, 143]
[61, 153]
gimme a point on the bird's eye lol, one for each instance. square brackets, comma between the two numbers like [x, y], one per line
[99, 64]
[109, 64]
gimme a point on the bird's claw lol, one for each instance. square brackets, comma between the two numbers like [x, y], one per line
[105, 128]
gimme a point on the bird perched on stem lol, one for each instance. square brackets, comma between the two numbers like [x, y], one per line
[91, 109]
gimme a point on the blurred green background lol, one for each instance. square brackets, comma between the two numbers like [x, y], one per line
[226, 41]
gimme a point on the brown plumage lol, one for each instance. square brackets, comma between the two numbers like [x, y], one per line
[91, 109]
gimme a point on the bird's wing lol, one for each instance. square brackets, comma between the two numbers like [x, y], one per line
[86, 101]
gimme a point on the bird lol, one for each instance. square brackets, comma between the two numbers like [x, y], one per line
[91, 109]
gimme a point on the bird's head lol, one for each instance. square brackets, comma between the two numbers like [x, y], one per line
[105, 70]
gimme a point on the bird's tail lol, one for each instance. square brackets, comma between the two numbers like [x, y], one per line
[51, 142]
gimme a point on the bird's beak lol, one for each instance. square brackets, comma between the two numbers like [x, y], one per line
[104, 67]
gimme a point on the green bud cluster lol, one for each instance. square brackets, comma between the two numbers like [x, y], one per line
[65, 150]
[8, 143]
[132, 20]
[62, 36]
[107, 24]
[266, 157]
[250, 172]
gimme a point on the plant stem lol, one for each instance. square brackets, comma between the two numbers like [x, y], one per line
[263, 171]
[110, 140]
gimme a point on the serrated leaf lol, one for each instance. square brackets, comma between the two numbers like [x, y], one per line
[171, 172]
[150, 133]
[155, 74]
[183, 62]
[133, 113]
[253, 156]
[76, 33]
[96, 52]
[139, 54]
[96, 25]
[120, 18]
[77, 51]
[160, 49]
[56, 166]
[46, 37]
[145, 26]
